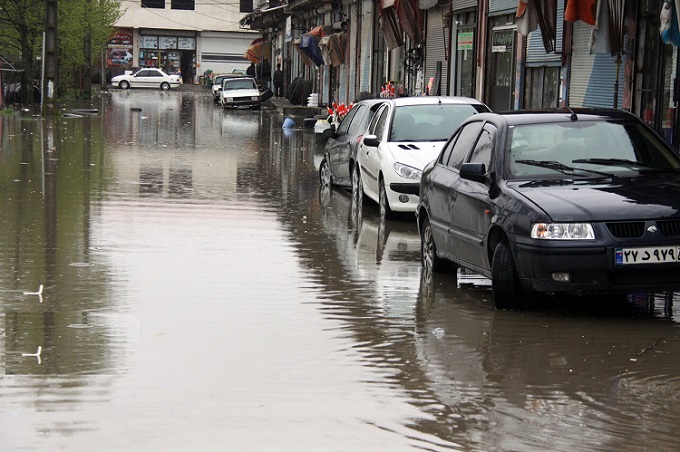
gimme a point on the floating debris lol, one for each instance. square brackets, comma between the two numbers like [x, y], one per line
[36, 354]
[38, 293]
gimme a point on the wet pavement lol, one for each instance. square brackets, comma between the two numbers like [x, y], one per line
[173, 278]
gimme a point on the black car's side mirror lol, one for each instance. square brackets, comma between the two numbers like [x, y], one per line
[371, 140]
[473, 171]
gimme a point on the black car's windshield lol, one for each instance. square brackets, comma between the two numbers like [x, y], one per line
[433, 122]
[595, 147]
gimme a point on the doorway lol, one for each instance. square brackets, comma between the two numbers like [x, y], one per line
[500, 78]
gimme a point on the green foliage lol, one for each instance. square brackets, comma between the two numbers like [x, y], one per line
[22, 23]
[76, 19]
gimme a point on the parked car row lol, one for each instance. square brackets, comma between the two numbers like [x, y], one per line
[541, 202]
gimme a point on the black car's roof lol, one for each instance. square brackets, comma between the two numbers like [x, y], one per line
[520, 117]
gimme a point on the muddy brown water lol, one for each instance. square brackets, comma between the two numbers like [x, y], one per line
[200, 292]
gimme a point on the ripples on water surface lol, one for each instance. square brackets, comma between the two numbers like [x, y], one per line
[201, 293]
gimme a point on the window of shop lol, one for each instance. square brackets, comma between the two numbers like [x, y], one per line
[153, 4]
[183, 4]
[543, 83]
[465, 54]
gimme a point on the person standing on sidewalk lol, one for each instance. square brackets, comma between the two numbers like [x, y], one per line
[278, 81]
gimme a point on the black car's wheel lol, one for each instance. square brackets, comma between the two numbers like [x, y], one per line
[165, 86]
[124, 84]
[325, 176]
[505, 285]
[357, 185]
[428, 249]
[385, 211]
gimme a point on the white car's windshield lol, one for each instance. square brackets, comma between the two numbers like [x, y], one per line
[239, 84]
[429, 122]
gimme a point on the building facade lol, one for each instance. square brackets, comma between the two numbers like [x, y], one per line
[180, 36]
[581, 53]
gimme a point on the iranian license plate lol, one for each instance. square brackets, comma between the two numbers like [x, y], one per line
[647, 255]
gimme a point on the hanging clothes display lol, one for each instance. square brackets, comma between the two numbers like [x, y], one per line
[532, 14]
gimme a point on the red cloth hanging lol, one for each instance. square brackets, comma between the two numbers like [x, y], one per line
[584, 10]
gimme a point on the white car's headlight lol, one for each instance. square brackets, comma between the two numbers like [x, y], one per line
[229, 99]
[254, 98]
[562, 231]
[407, 172]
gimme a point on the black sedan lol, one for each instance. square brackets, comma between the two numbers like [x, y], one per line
[579, 201]
[340, 152]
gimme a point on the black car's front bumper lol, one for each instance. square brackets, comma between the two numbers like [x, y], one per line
[590, 269]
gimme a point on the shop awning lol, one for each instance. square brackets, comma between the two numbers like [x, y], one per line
[410, 19]
[389, 24]
[533, 14]
[258, 52]
[333, 49]
[263, 18]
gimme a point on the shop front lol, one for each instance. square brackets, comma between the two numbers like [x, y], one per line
[173, 54]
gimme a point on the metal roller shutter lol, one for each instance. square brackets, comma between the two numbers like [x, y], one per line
[436, 48]
[498, 6]
[592, 76]
[366, 44]
[464, 4]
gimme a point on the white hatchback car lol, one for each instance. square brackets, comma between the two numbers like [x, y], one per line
[406, 134]
[146, 78]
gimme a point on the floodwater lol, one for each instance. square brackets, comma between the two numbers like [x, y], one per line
[200, 292]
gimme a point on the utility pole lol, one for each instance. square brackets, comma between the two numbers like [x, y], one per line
[49, 83]
[87, 49]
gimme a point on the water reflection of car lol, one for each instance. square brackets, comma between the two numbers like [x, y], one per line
[383, 255]
[405, 135]
[340, 151]
[572, 374]
[146, 78]
[578, 201]
[240, 92]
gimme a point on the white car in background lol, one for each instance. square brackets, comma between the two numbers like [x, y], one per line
[406, 134]
[146, 78]
[240, 92]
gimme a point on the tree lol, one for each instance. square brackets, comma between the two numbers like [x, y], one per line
[22, 23]
[77, 19]
[21, 27]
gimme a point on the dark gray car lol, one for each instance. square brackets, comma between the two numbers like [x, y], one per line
[341, 148]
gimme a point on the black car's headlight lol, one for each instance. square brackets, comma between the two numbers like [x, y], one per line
[407, 172]
[562, 231]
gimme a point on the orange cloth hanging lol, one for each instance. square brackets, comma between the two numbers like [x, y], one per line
[580, 10]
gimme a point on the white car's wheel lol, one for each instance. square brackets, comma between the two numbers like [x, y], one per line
[165, 86]
[124, 84]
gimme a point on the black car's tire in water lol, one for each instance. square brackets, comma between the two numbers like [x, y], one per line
[505, 285]
[428, 249]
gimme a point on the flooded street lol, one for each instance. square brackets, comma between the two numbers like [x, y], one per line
[172, 278]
